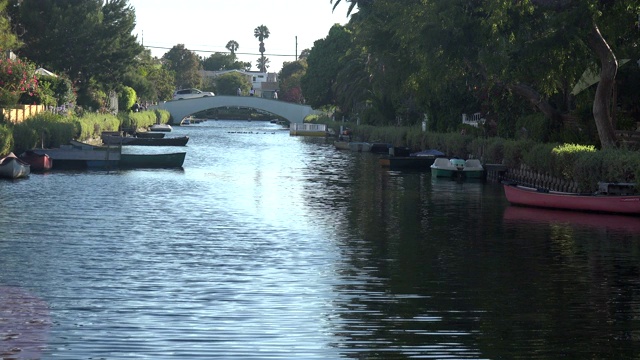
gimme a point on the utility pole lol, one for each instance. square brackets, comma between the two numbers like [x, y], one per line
[296, 59]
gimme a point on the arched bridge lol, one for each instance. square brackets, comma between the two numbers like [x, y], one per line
[180, 109]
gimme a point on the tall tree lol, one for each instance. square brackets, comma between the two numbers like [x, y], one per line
[221, 61]
[261, 33]
[87, 39]
[232, 46]
[8, 39]
[325, 61]
[263, 63]
[185, 64]
[289, 81]
[151, 81]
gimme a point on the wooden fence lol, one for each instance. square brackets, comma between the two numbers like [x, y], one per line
[22, 112]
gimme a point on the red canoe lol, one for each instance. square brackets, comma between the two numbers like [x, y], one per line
[522, 195]
[38, 162]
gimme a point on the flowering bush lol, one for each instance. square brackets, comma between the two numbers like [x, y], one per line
[16, 77]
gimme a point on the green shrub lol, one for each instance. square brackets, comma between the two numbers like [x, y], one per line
[126, 98]
[566, 156]
[45, 129]
[92, 125]
[6, 140]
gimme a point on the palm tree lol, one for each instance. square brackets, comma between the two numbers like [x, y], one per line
[353, 4]
[263, 63]
[261, 33]
[232, 46]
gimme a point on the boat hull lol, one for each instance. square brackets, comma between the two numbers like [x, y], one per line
[407, 162]
[135, 161]
[38, 162]
[129, 140]
[149, 134]
[526, 196]
[11, 167]
[81, 156]
[341, 145]
[161, 127]
[457, 169]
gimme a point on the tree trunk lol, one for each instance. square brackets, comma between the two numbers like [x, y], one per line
[534, 97]
[604, 91]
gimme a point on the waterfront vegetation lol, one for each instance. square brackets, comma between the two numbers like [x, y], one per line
[583, 164]
[50, 130]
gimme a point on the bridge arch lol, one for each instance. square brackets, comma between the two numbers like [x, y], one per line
[179, 109]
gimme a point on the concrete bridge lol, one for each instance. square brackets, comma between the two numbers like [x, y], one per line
[180, 109]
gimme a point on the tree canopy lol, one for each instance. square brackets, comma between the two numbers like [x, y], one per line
[185, 64]
[505, 59]
[87, 39]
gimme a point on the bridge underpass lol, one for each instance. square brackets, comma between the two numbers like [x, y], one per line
[179, 109]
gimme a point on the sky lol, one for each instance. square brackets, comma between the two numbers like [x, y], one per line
[206, 26]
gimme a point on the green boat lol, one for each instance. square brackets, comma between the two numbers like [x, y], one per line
[136, 161]
[457, 168]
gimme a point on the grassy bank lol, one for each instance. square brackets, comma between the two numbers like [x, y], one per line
[50, 130]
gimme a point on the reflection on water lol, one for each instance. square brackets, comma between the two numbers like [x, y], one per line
[279, 247]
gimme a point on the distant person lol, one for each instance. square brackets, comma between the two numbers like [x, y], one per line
[251, 92]
[275, 95]
[239, 92]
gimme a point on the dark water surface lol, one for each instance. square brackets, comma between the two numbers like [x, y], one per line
[268, 246]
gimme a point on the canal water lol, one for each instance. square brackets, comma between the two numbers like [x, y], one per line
[267, 246]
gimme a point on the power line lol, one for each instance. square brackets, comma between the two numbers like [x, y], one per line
[212, 51]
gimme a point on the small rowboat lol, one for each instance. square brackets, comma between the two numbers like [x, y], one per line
[38, 162]
[596, 202]
[11, 167]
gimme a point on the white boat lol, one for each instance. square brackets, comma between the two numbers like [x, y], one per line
[160, 127]
[12, 167]
[457, 168]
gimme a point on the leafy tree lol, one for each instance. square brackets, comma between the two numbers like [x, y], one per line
[324, 63]
[151, 81]
[261, 33]
[289, 81]
[86, 39]
[304, 54]
[8, 40]
[220, 61]
[185, 64]
[228, 84]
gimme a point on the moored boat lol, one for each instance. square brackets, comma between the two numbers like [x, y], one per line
[421, 160]
[457, 168]
[360, 146]
[135, 161]
[79, 155]
[11, 167]
[160, 127]
[596, 202]
[111, 139]
[38, 162]
[149, 134]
